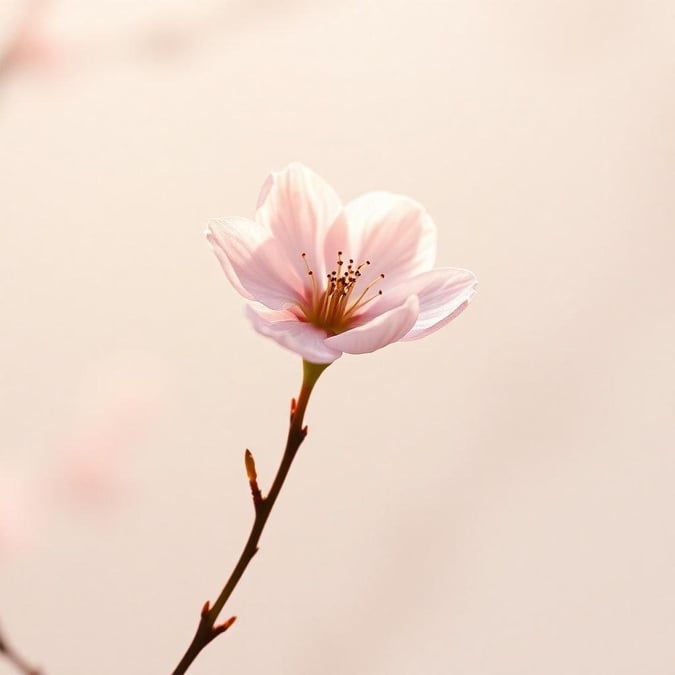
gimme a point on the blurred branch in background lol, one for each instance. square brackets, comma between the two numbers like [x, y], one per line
[16, 659]
[37, 38]
[177, 32]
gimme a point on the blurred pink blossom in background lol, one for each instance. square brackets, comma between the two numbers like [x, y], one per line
[29, 43]
[121, 401]
[91, 469]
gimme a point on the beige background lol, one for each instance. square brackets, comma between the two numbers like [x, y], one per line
[494, 500]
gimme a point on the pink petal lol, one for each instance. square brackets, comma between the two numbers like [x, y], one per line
[378, 332]
[298, 207]
[392, 231]
[440, 292]
[298, 336]
[253, 263]
[443, 294]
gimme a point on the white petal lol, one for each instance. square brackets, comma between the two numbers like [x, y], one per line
[443, 293]
[252, 262]
[378, 332]
[298, 336]
[298, 207]
[392, 231]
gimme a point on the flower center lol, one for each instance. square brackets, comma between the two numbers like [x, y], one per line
[333, 304]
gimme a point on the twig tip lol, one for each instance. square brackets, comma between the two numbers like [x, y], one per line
[217, 630]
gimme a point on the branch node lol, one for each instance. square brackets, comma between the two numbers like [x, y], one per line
[206, 609]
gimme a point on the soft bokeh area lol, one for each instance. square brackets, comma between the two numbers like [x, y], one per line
[496, 499]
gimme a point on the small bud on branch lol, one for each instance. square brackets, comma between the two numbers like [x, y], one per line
[249, 462]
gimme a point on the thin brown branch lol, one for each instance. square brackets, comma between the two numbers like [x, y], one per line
[207, 630]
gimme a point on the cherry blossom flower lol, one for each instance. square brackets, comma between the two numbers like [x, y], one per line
[326, 279]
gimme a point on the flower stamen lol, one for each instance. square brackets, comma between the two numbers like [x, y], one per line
[310, 274]
[332, 308]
